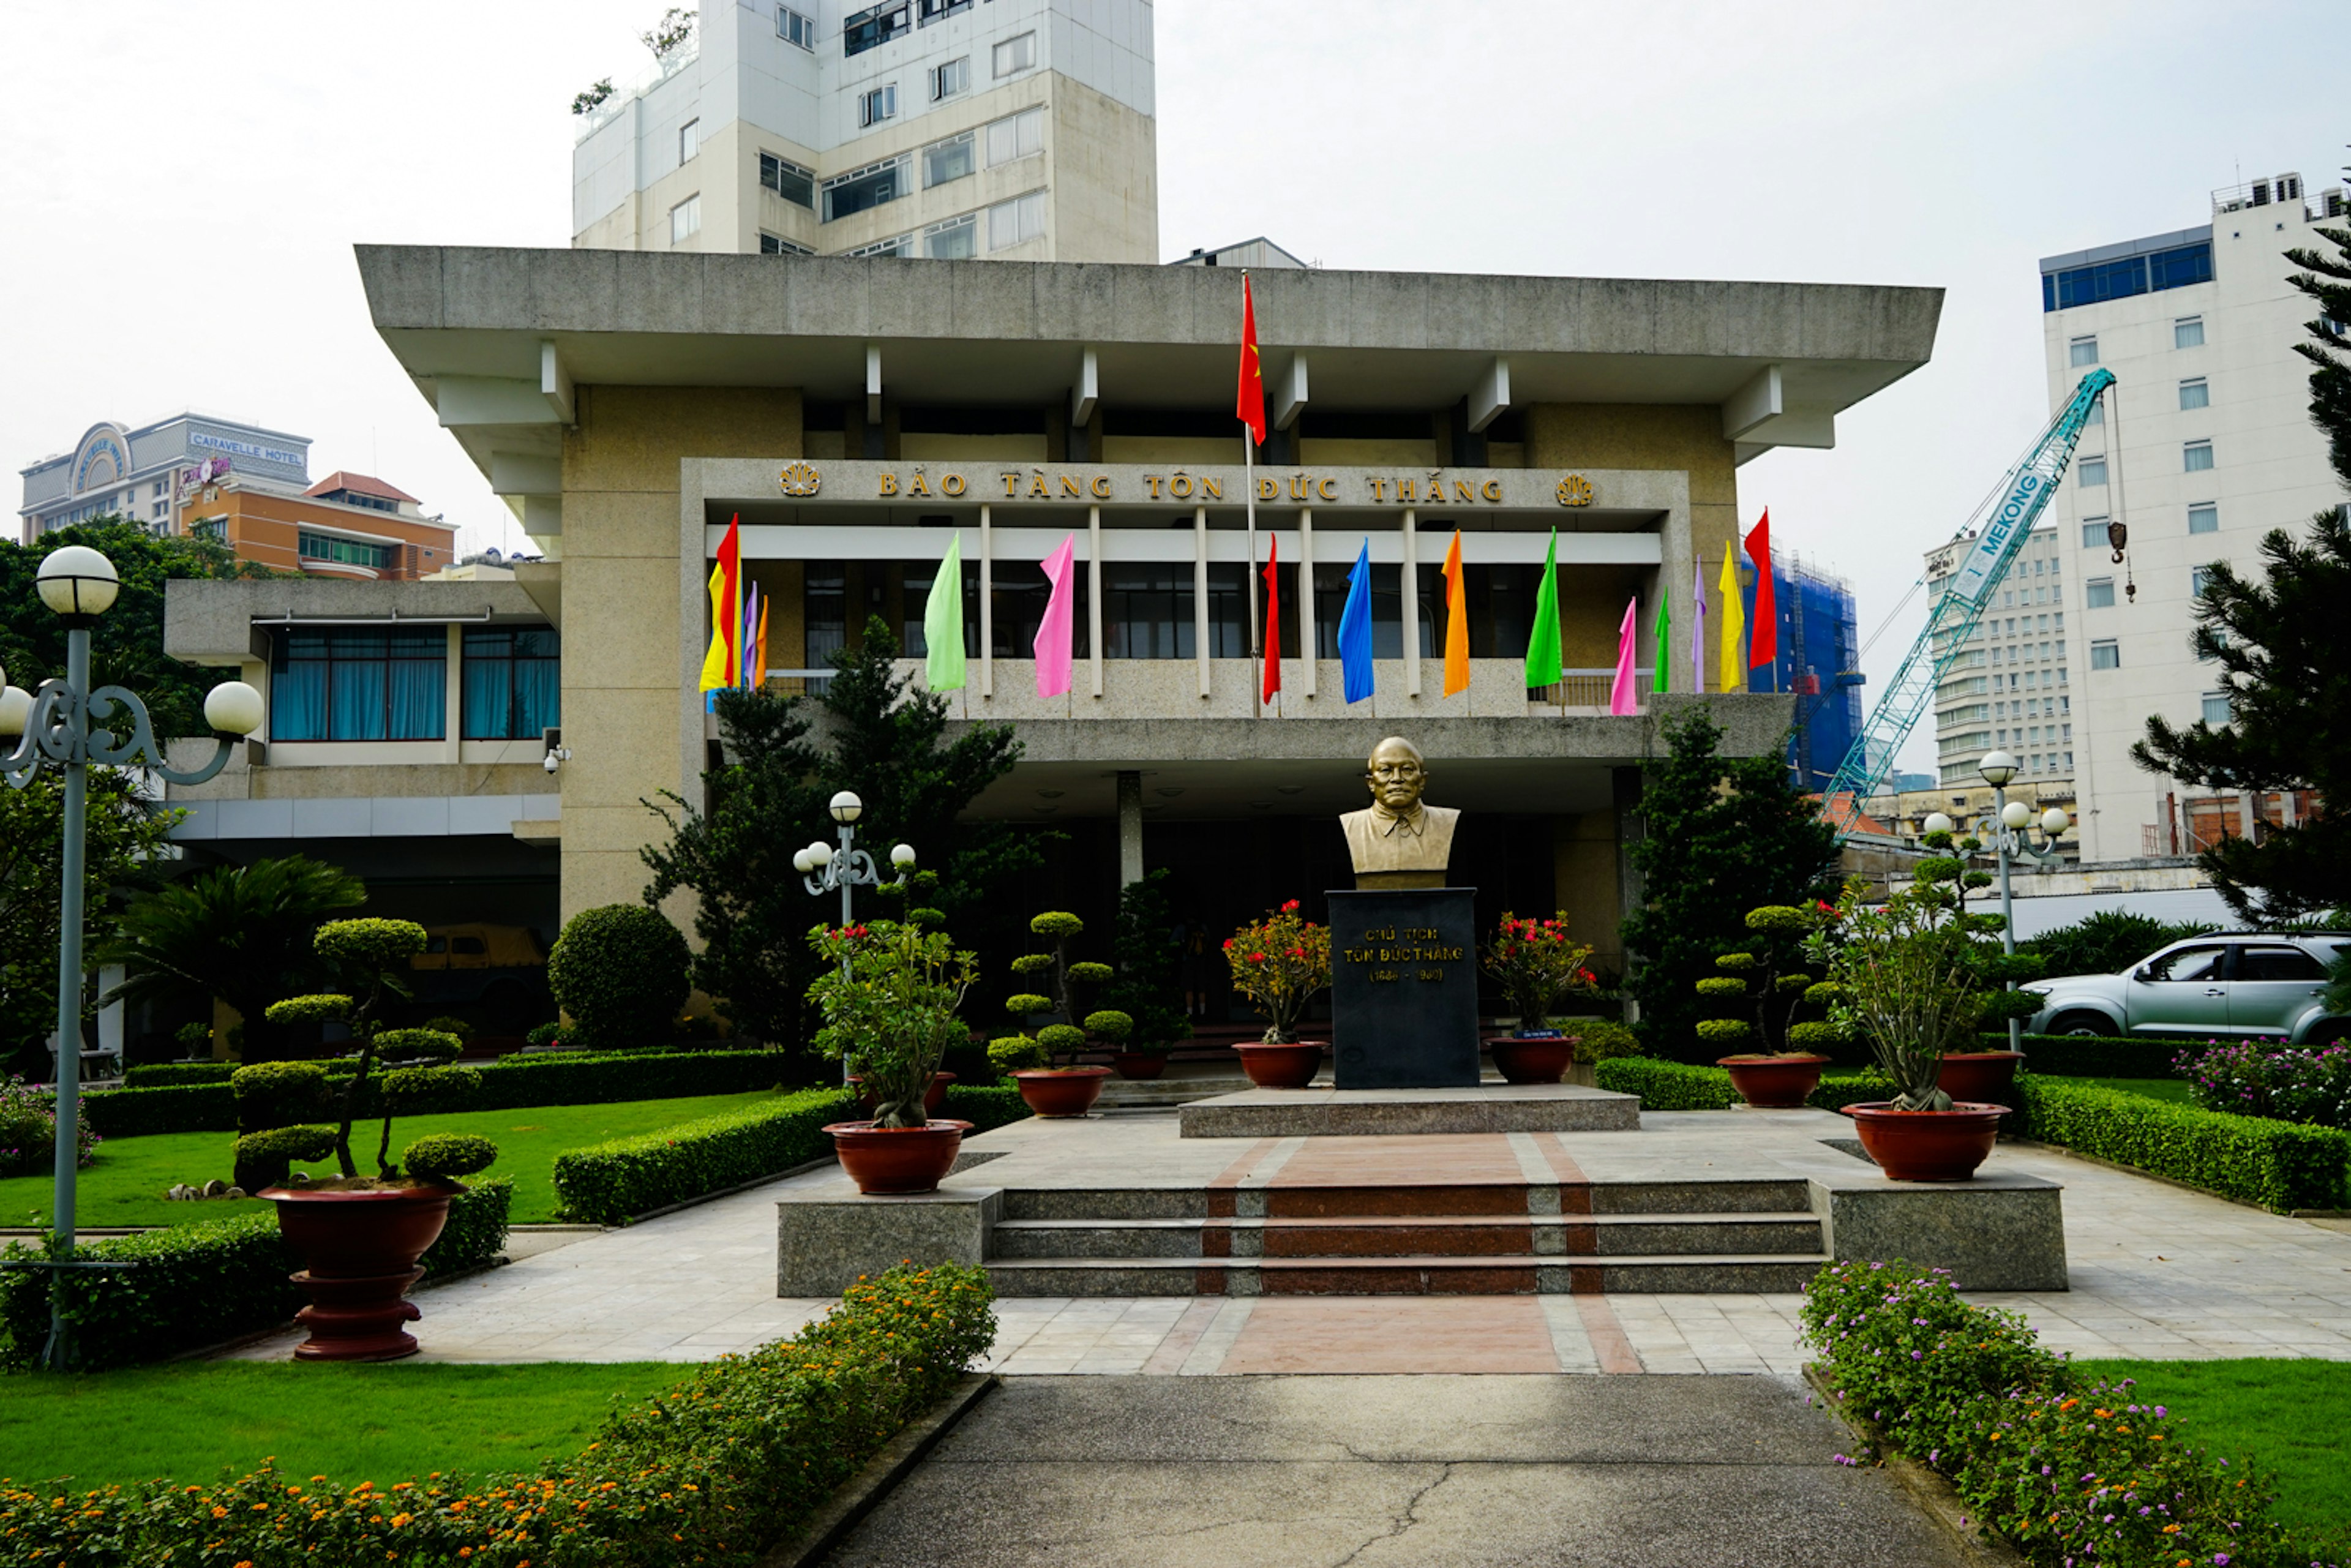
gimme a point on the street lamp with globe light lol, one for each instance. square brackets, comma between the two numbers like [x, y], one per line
[2006, 836]
[824, 868]
[66, 725]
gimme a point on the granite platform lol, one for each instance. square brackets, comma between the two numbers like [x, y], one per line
[1324, 1112]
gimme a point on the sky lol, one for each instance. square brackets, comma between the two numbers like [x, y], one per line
[184, 185]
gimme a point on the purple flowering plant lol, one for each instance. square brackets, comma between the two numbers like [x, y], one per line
[28, 1130]
[2306, 1084]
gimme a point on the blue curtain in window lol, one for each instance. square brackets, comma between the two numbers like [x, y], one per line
[537, 698]
[355, 691]
[488, 706]
[298, 700]
[419, 699]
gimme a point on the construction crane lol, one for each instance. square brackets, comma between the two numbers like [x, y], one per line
[1997, 533]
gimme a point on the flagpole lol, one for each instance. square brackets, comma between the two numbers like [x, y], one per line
[1248, 499]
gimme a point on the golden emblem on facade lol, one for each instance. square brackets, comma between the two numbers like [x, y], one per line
[800, 479]
[1575, 490]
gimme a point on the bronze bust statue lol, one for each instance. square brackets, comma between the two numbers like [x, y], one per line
[1396, 841]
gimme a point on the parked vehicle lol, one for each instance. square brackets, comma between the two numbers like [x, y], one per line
[497, 971]
[2221, 984]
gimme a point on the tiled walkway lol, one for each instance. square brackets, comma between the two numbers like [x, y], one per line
[2156, 1271]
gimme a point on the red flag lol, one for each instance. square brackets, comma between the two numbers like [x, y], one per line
[1763, 640]
[1272, 621]
[1249, 407]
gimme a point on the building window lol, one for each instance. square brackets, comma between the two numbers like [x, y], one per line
[1021, 136]
[1017, 221]
[1146, 610]
[878, 104]
[2188, 332]
[2215, 708]
[930, 11]
[794, 28]
[2092, 472]
[689, 141]
[511, 682]
[865, 188]
[685, 219]
[1015, 55]
[2099, 592]
[2093, 533]
[2195, 393]
[950, 78]
[2082, 351]
[216, 528]
[788, 180]
[898, 245]
[958, 239]
[2106, 656]
[346, 552]
[875, 26]
[948, 160]
[2097, 413]
[775, 245]
[2204, 517]
[2197, 455]
[2198, 579]
[358, 684]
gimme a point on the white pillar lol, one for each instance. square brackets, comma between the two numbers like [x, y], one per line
[1306, 593]
[986, 605]
[1200, 594]
[1093, 584]
[453, 698]
[1412, 603]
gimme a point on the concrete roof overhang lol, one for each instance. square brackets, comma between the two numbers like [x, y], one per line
[1781, 359]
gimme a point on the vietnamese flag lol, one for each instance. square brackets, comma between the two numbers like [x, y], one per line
[1249, 405]
[1763, 641]
[1272, 620]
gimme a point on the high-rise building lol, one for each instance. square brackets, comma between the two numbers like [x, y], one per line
[2204, 445]
[1014, 129]
[1816, 660]
[135, 474]
[2010, 687]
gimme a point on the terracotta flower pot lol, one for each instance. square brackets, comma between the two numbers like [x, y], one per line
[931, 1097]
[359, 1249]
[1774, 1082]
[1978, 1077]
[1139, 1065]
[1291, 1066]
[1060, 1090]
[897, 1159]
[1926, 1146]
[1538, 1059]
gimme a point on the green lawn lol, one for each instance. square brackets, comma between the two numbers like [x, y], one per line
[2287, 1417]
[127, 1184]
[385, 1424]
[2171, 1089]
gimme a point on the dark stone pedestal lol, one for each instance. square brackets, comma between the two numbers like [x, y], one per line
[1403, 988]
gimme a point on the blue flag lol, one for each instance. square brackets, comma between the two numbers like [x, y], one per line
[1355, 628]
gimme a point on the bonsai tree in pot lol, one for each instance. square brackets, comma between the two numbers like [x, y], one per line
[888, 997]
[1538, 966]
[360, 1237]
[1772, 1059]
[1281, 964]
[1049, 1089]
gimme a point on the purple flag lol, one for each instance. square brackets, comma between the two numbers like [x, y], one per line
[1698, 626]
[1055, 632]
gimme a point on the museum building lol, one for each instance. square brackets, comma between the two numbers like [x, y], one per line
[855, 414]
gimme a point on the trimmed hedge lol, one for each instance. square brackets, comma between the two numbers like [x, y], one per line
[1679, 1086]
[985, 1107]
[612, 1183]
[181, 1108]
[2280, 1165]
[2095, 1056]
[715, 1469]
[172, 1074]
[199, 1284]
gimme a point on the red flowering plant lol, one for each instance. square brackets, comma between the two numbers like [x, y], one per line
[1538, 965]
[889, 994]
[1280, 963]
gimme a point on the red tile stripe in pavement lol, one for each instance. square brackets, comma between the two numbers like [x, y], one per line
[1220, 1190]
[1575, 1186]
[1394, 1334]
[1173, 1351]
[1615, 1351]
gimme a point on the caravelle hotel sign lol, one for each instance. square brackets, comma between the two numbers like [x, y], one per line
[1184, 486]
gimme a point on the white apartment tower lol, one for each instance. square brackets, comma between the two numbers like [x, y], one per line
[2204, 445]
[1012, 130]
[2010, 687]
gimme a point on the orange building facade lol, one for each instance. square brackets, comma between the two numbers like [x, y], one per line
[347, 525]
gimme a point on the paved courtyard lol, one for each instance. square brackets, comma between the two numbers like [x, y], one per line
[2157, 1271]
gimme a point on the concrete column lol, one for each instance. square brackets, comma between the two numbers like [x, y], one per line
[1093, 593]
[1306, 593]
[986, 605]
[1200, 594]
[454, 699]
[1412, 603]
[1129, 827]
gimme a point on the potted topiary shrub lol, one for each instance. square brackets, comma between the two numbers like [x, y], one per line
[359, 1237]
[1538, 968]
[1765, 981]
[1048, 1089]
[621, 974]
[1281, 964]
[888, 996]
[1916, 977]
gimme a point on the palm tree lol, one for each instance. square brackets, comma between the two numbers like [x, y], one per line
[241, 934]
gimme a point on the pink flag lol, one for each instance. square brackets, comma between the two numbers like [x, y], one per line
[1622, 698]
[1055, 631]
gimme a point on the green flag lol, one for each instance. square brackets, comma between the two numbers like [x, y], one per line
[1542, 640]
[1664, 637]
[943, 624]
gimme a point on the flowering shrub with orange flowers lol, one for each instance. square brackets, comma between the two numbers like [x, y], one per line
[715, 1471]
[1280, 963]
[2070, 1471]
[1537, 964]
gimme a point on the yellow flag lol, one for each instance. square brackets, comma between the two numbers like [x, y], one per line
[1733, 659]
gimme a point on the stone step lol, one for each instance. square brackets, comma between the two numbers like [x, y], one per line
[1406, 1197]
[1165, 1093]
[1673, 1273]
[1538, 1236]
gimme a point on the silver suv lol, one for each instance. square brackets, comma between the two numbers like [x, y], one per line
[2227, 983]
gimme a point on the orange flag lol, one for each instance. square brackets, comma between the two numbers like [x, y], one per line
[1457, 621]
[1249, 404]
[1272, 621]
